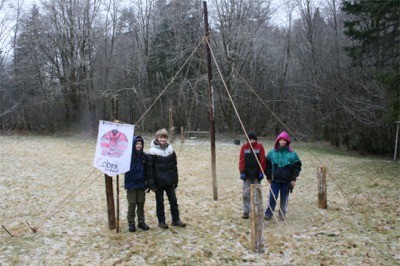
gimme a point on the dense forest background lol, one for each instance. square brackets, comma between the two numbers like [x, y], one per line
[329, 69]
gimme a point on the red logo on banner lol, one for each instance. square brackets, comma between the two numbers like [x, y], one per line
[113, 143]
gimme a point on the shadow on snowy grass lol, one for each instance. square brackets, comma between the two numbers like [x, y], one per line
[50, 183]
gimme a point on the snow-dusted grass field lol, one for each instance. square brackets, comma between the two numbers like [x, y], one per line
[50, 184]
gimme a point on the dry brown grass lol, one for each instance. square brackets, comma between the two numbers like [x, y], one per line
[40, 175]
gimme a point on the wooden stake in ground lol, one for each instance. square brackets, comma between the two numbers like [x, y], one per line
[322, 189]
[256, 215]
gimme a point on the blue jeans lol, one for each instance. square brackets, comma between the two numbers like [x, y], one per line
[276, 189]
[173, 202]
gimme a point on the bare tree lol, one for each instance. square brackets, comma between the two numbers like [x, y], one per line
[68, 45]
[242, 34]
[134, 31]
[11, 109]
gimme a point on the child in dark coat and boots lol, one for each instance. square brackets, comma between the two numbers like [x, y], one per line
[162, 176]
[283, 166]
[250, 168]
[135, 185]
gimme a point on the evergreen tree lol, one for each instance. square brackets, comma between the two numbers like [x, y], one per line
[374, 28]
[31, 80]
[178, 30]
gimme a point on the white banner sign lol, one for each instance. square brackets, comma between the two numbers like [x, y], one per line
[114, 148]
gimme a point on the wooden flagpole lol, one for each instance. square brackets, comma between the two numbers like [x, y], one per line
[211, 105]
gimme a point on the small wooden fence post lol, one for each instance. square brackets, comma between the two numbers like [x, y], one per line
[322, 189]
[256, 215]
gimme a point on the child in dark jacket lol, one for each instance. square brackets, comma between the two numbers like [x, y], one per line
[283, 166]
[135, 185]
[250, 168]
[162, 174]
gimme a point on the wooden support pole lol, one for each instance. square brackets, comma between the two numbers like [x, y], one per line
[112, 222]
[210, 104]
[322, 189]
[115, 113]
[110, 202]
[256, 215]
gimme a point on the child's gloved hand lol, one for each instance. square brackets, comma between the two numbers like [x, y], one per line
[243, 176]
[291, 187]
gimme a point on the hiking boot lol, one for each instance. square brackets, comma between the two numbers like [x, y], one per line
[143, 226]
[245, 215]
[132, 228]
[266, 217]
[163, 225]
[178, 223]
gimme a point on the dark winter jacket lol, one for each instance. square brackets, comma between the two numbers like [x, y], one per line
[135, 178]
[248, 163]
[162, 168]
[282, 164]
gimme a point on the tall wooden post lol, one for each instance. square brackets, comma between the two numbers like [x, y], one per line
[115, 113]
[112, 222]
[322, 189]
[256, 215]
[211, 104]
